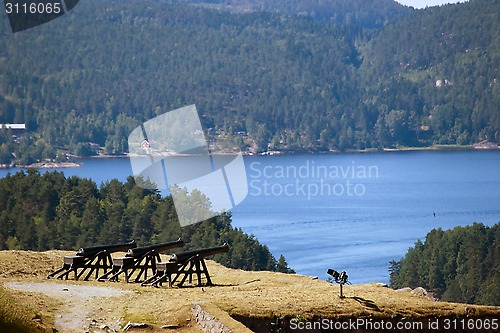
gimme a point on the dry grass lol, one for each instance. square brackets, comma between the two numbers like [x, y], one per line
[18, 313]
[247, 294]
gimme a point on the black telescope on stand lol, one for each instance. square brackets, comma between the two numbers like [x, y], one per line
[340, 278]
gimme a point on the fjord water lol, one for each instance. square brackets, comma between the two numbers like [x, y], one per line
[352, 212]
[362, 233]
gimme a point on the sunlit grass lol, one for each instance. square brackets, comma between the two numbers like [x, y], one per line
[17, 318]
[237, 293]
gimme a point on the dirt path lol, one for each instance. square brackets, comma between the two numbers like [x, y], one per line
[82, 310]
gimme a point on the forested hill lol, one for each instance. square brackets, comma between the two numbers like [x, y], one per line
[458, 265]
[51, 211]
[367, 14]
[292, 82]
[439, 68]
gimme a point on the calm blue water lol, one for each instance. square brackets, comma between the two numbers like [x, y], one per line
[352, 212]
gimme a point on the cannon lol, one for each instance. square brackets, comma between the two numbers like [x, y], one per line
[183, 256]
[91, 251]
[185, 264]
[142, 258]
[93, 258]
[158, 248]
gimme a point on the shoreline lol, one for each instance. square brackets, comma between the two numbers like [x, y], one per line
[437, 148]
[50, 165]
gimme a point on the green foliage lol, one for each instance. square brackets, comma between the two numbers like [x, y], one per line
[295, 75]
[282, 266]
[459, 265]
[51, 211]
[23, 149]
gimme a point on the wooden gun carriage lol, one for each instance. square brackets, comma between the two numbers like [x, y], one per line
[185, 264]
[93, 259]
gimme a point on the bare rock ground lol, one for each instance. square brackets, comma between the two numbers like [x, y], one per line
[81, 311]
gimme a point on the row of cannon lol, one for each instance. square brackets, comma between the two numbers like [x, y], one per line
[142, 263]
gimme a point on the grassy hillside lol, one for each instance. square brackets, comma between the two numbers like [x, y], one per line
[248, 296]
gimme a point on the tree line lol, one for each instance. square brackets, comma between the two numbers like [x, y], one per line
[458, 265]
[50, 211]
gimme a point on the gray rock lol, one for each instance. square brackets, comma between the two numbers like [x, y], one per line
[135, 325]
[171, 327]
[419, 291]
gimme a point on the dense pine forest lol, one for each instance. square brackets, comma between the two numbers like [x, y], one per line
[459, 265]
[292, 76]
[353, 13]
[51, 211]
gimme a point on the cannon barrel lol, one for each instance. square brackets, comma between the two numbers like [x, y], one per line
[142, 250]
[183, 256]
[93, 250]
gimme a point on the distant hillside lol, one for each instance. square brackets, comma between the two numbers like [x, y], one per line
[292, 83]
[435, 74]
[96, 74]
[367, 14]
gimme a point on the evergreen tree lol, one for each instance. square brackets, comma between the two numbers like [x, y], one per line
[282, 266]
